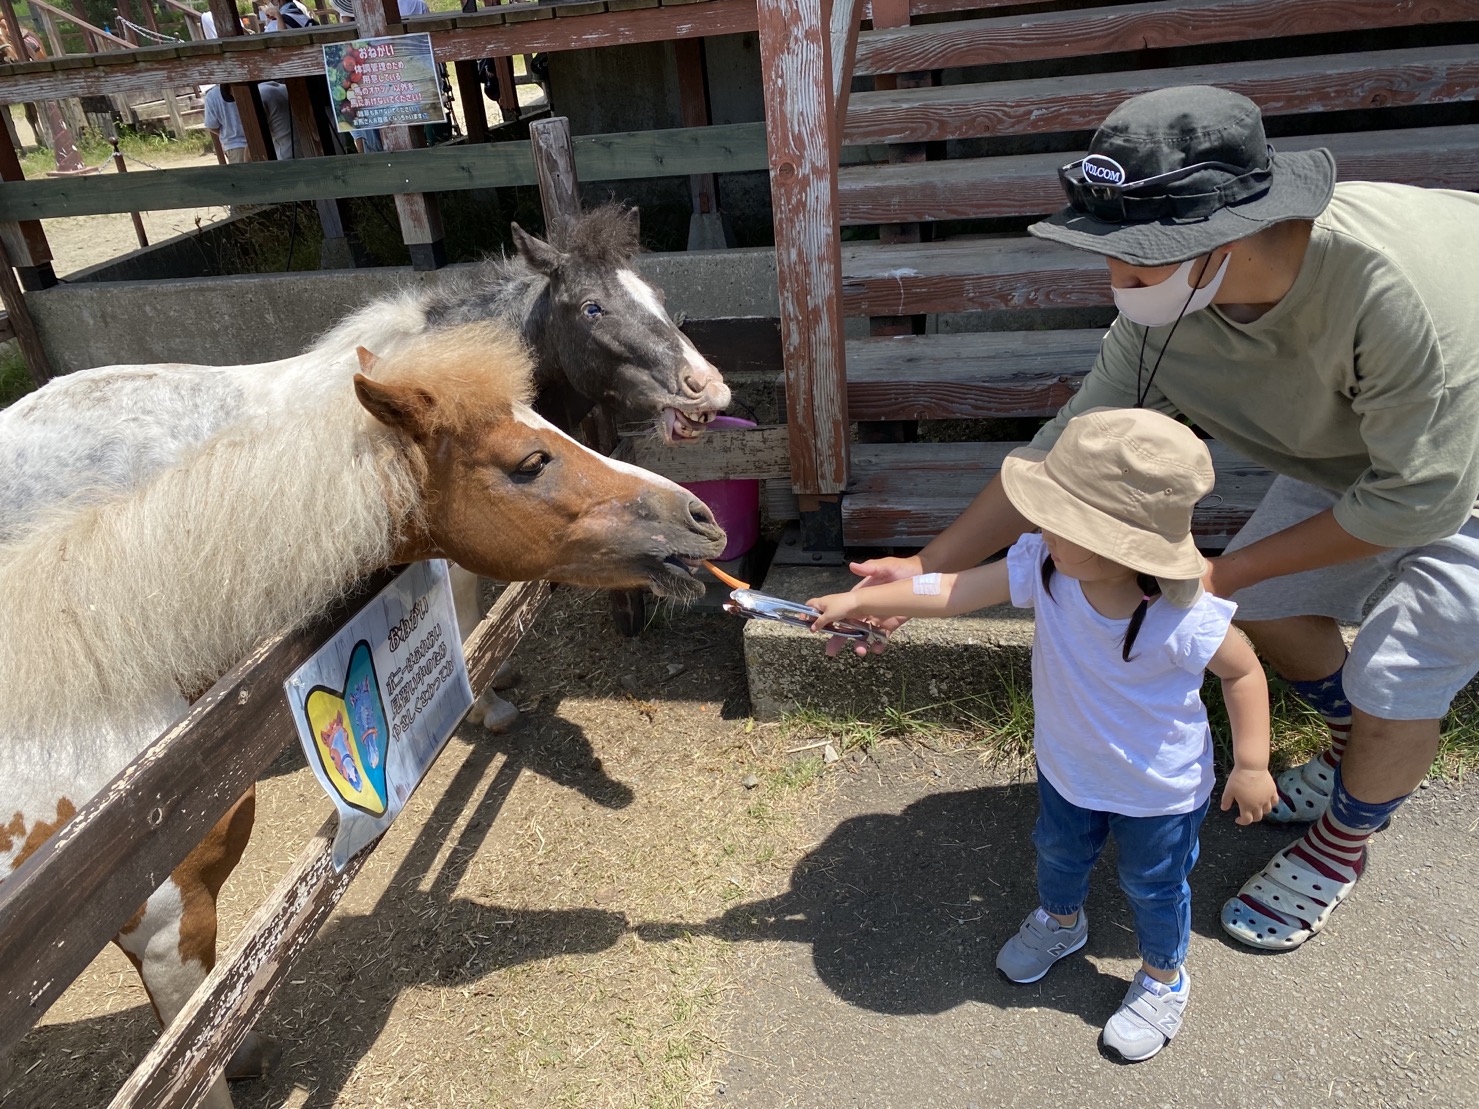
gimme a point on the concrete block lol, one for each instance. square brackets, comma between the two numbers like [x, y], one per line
[939, 668]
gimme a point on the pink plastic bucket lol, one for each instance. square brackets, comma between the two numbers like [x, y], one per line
[735, 503]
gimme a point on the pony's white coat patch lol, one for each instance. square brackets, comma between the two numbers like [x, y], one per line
[646, 296]
[642, 293]
[530, 418]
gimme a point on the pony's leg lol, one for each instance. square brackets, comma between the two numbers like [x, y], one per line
[489, 710]
[171, 941]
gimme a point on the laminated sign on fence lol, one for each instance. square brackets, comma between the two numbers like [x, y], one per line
[376, 703]
[378, 82]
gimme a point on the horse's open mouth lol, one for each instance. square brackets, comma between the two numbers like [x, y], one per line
[687, 565]
[677, 578]
[678, 427]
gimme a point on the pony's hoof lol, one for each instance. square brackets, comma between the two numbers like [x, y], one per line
[506, 677]
[495, 714]
[255, 1058]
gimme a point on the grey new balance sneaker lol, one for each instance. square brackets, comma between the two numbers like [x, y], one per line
[1148, 1017]
[1038, 944]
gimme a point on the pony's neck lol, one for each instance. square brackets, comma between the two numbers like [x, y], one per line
[537, 312]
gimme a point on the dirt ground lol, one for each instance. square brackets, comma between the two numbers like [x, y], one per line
[642, 899]
[491, 953]
[81, 241]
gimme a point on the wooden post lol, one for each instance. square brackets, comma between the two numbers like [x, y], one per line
[337, 251]
[708, 228]
[554, 166]
[795, 66]
[508, 89]
[122, 167]
[25, 243]
[248, 99]
[94, 44]
[475, 114]
[421, 218]
[20, 320]
[895, 13]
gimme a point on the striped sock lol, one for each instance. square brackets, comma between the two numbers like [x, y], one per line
[1335, 845]
[1327, 697]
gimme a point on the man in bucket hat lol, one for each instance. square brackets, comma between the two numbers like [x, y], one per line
[1329, 333]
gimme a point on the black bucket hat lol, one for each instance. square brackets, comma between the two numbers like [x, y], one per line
[1175, 173]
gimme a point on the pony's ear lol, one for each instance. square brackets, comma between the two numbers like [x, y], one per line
[542, 257]
[367, 359]
[405, 408]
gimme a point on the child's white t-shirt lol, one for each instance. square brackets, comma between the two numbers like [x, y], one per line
[1116, 736]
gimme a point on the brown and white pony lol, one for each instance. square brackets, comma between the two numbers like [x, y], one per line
[111, 596]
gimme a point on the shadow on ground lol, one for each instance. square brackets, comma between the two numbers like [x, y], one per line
[357, 967]
[904, 913]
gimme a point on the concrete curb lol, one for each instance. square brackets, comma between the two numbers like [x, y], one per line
[939, 669]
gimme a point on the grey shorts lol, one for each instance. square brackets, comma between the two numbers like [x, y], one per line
[1417, 607]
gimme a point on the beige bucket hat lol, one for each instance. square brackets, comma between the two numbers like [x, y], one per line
[1121, 482]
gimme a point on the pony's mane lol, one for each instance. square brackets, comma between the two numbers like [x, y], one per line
[258, 530]
[476, 367]
[604, 236]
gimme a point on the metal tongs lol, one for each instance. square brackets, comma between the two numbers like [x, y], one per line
[754, 605]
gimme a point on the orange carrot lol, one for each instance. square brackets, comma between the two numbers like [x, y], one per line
[727, 579]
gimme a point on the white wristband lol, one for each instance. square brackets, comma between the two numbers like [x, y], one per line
[927, 585]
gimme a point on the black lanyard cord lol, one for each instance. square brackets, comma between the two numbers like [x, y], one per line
[1142, 393]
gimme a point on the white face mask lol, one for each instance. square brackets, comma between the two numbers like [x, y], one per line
[1158, 305]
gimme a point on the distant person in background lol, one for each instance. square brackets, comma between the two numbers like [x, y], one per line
[285, 143]
[223, 121]
[345, 9]
[286, 16]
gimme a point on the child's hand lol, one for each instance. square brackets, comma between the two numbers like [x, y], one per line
[1253, 790]
[833, 607]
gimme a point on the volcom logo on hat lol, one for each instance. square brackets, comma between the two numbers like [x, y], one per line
[1103, 170]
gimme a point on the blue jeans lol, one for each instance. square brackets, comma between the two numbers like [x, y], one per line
[1156, 855]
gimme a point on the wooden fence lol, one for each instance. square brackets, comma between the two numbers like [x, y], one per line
[72, 896]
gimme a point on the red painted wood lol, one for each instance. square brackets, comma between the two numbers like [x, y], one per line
[1167, 24]
[964, 275]
[1379, 79]
[24, 242]
[1027, 185]
[149, 69]
[794, 48]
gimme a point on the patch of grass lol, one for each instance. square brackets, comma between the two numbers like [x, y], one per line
[142, 147]
[15, 379]
[1000, 724]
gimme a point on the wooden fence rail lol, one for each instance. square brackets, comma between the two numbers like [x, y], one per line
[678, 151]
[70, 898]
[283, 54]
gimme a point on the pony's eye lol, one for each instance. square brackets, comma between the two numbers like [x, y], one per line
[533, 464]
[592, 310]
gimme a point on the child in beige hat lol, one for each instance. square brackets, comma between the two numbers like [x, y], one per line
[1123, 636]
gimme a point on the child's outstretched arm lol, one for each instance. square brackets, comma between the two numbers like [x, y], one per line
[1245, 692]
[922, 595]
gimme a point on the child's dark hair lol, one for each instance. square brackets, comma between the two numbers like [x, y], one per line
[1149, 588]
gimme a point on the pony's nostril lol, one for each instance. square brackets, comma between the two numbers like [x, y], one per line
[694, 386]
[700, 513]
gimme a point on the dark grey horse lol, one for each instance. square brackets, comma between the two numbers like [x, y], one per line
[596, 328]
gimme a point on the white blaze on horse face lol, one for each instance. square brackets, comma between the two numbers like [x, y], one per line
[643, 293]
